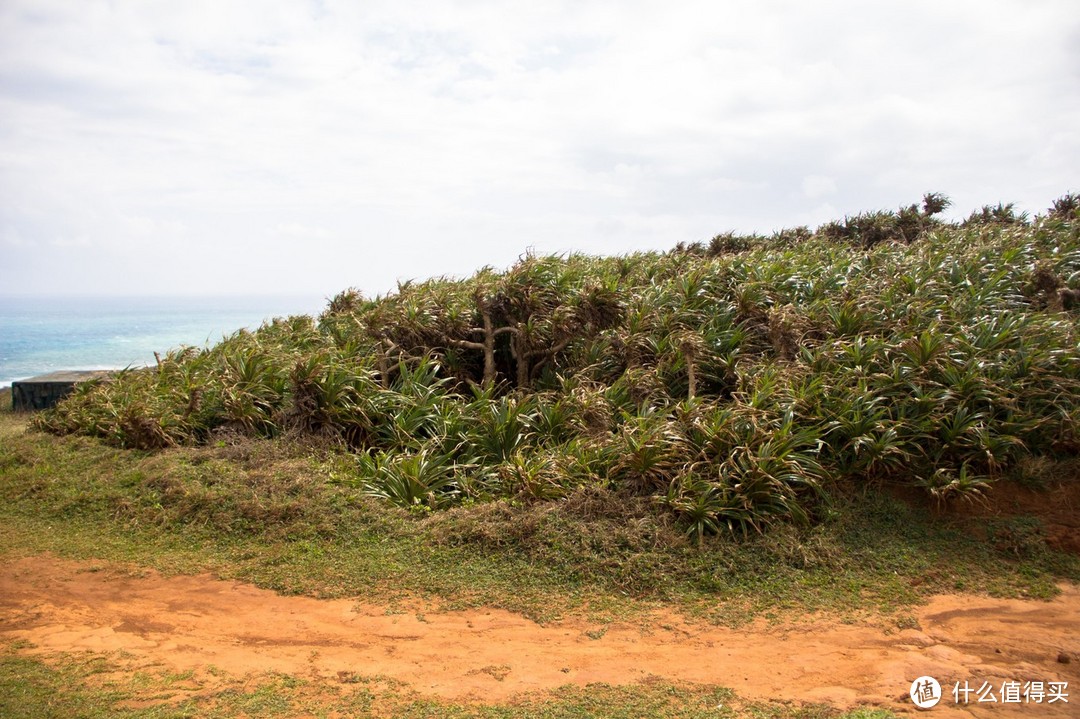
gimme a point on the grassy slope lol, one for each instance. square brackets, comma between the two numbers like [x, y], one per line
[261, 511]
[264, 511]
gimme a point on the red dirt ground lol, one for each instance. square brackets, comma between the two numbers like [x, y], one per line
[194, 622]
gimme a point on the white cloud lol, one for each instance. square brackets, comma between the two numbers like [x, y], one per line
[816, 186]
[411, 139]
[13, 238]
[295, 230]
[65, 243]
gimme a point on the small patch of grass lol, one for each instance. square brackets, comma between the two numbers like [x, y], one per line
[29, 689]
[498, 672]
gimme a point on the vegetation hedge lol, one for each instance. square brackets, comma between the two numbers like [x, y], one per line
[734, 383]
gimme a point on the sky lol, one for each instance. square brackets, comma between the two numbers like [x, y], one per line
[271, 147]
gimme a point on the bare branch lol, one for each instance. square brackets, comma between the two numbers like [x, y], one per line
[467, 344]
[551, 351]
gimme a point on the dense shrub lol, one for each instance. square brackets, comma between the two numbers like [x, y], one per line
[736, 384]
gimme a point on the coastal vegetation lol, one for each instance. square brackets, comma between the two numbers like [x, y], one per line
[732, 384]
[753, 428]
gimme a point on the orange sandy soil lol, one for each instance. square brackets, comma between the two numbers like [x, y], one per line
[192, 623]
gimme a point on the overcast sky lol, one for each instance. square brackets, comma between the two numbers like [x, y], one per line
[304, 147]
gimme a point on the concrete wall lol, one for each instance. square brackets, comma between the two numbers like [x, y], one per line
[48, 389]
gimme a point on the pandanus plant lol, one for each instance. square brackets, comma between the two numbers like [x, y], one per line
[738, 383]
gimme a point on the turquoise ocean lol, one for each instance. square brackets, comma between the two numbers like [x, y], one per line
[46, 334]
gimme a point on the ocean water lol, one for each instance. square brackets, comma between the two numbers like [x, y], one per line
[39, 335]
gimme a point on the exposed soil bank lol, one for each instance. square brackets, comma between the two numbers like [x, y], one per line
[195, 622]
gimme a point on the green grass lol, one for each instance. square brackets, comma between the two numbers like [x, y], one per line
[89, 687]
[266, 512]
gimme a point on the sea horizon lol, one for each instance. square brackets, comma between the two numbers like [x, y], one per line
[49, 333]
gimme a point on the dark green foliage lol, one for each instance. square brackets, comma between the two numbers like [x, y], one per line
[737, 385]
[935, 203]
[1066, 206]
[999, 214]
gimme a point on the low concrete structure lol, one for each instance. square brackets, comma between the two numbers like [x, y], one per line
[46, 390]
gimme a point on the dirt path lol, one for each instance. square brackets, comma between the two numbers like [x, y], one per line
[190, 623]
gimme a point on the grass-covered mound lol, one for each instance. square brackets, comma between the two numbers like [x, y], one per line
[733, 384]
